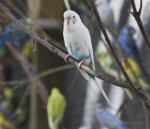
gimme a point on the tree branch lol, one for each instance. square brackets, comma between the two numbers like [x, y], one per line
[30, 72]
[138, 90]
[43, 74]
[136, 14]
[60, 53]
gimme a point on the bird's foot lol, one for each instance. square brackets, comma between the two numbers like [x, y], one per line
[66, 57]
[79, 64]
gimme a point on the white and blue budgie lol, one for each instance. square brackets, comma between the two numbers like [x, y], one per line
[78, 43]
[106, 14]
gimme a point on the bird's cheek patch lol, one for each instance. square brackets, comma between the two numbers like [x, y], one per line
[74, 21]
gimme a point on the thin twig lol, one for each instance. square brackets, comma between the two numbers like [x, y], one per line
[30, 72]
[136, 14]
[139, 90]
[60, 53]
[24, 98]
[43, 74]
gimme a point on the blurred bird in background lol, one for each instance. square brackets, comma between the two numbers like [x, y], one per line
[5, 124]
[27, 49]
[9, 103]
[127, 42]
[106, 62]
[108, 120]
[56, 106]
[12, 34]
[107, 16]
[131, 70]
[128, 45]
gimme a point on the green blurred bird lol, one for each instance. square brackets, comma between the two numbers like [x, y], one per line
[106, 62]
[55, 108]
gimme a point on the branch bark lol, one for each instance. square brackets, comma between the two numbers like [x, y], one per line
[138, 90]
[136, 14]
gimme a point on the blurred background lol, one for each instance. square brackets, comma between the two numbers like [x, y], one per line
[28, 70]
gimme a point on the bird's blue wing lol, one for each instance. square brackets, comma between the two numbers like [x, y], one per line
[130, 41]
[12, 34]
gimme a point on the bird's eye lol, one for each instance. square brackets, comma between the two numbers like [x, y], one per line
[73, 16]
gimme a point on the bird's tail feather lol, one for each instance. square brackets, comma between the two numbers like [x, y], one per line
[88, 77]
[101, 90]
[85, 75]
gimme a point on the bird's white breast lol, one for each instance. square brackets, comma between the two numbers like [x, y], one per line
[76, 44]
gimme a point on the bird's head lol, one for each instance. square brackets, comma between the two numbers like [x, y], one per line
[128, 30]
[55, 91]
[131, 30]
[27, 22]
[71, 20]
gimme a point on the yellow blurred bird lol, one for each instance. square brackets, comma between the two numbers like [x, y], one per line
[4, 123]
[131, 70]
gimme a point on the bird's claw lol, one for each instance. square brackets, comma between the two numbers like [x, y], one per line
[79, 64]
[66, 57]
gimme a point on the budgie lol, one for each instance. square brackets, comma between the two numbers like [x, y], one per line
[128, 45]
[8, 94]
[136, 71]
[106, 63]
[107, 15]
[27, 49]
[56, 106]
[7, 112]
[127, 41]
[5, 124]
[78, 43]
[10, 100]
[12, 33]
[108, 120]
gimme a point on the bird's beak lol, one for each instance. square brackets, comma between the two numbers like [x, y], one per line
[68, 21]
